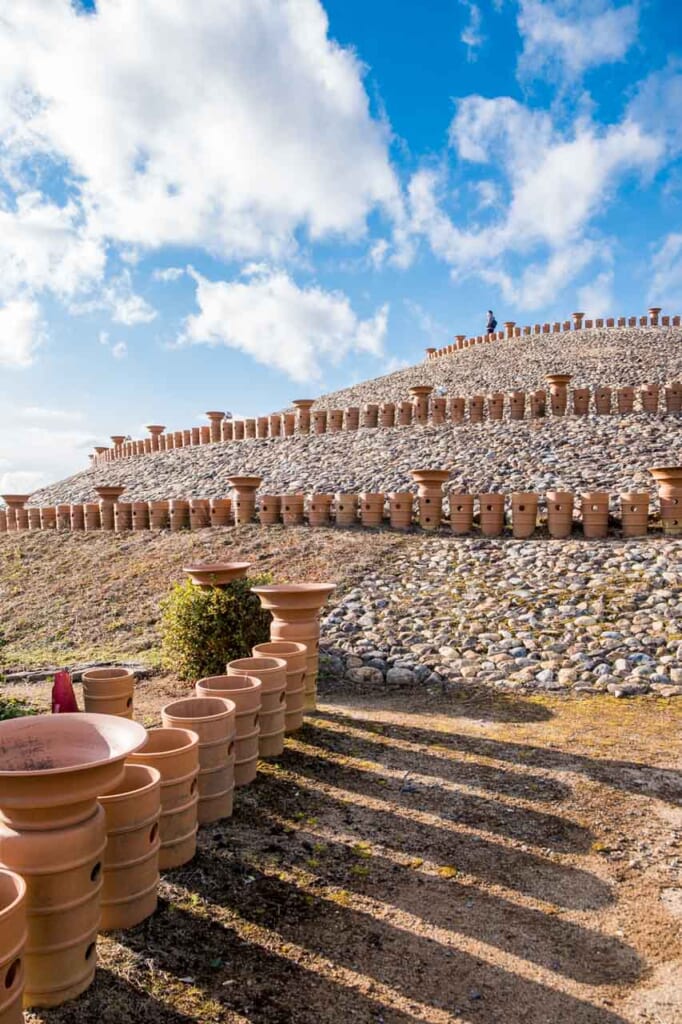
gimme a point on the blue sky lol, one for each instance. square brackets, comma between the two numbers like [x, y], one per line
[232, 203]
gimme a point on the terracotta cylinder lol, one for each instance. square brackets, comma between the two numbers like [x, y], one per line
[204, 435]
[671, 512]
[303, 406]
[673, 399]
[634, 513]
[106, 514]
[195, 436]
[476, 407]
[346, 509]
[401, 507]
[213, 720]
[461, 512]
[404, 414]
[538, 404]
[169, 440]
[438, 408]
[524, 513]
[430, 492]
[227, 430]
[220, 511]
[131, 858]
[262, 425]
[371, 509]
[420, 400]
[595, 514]
[352, 418]
[140, 511]
[320, 421]
[625, 400]
[123, 516]
[495, 406]
[244, 503]
[370, 415]
[109, 691]
[270, 509]
[159, 515]
[48, 518]
[581, 401]
[199, 513]
[492, 514]
[289, 424]
[335, 421]
[292, 509]
[178, 510]
[34, 519]
[602, 401]
[216, 419]
[3, 521]
[457, 409]
[179, 439]
[175, 755]
[187, 438]
[649, 396]
[558, 392]
[559, 513]
[13, 935]
[272, 673]
[295, 655]
[249, 428]
[63, 513]
[238, 430]
[387, 414]
[517, 405]
[245, 693]
[319, 509]
[275, 421]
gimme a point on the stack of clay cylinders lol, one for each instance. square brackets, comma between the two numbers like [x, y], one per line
[558, 392]
[175, 755]
[244, 503]
[346, 509]
[226, 430]
[221, 511]
[461, 512]
[524, 506]
[673, 398]
[538, 403]
[559, 513]
[319, 509]
[370, 415]
[13, 934]
[649, 396]
[303, 406]
[204, 435]
[335, 421]
[272, 673]
[262, 424]
[430, 491]
[275, 424]
[581, 401]
[123, 516]
[602, 401]
[187, 438]
[250, 428]
[457, 409]
[34, 519]
[495, 406]
[292, 509]
[91, 516]
[387, 414]
[352, 418]
[595, 514]
[159, 515]
[179, 514]
[196, 436]
[634, 513]
[213, 720]
[295, 655]
[63, 517]
[404, 414]
[270, 508]
[491, 507]
[400, 509]
[3, 521]
[438, 406]
[245, 693]
[108, 691]
[238, 430]
[371, 509]
[140, 511]
[420, 400]
[289, 424]
[199, 513]
[517, 405]
[320, 421]
[130, 866]
[476, 407]
[77, 518]
[669, 481]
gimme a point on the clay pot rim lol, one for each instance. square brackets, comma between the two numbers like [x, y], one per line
[560, 495]
[148, 426]
[303, 403]
[558, 378]
[12, 880]
[231, 683]
[273, 666]
[215, 567]
[124, 790]
[107, 491]
[421, 389]
[213, 412]
[665, 469]
[430, 475]
[120, 728]
[299, 648]
[15, 499]
[524, 495]
[190, 738]
[228, 708]
[245, 481]
[294, 588]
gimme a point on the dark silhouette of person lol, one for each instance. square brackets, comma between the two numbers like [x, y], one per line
[492, 322]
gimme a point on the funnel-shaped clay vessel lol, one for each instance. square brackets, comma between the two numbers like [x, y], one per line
[668, 479]
[245, 500]
[216, 574]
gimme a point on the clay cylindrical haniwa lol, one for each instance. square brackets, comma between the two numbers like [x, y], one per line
[48, 518]
[430, 492]
[289, 424]
[179, 514]
[227, 430]
[524, 506]
[404, 414]
[559, 513]
[558, 392]
[221, 511]
[602, 401]
[175, 754]
[272, 673]
[320, 421]
[496, 406]
[595, 514]
[625, 399]
[213, 720]
[581, 401]
[195, 436]
[438, 408]
[238, 430]
[335, 420]
[345, 509]
[199, 513]
[491, 508]
[34, 519]
[270, 506]
[91, 516]
[292, 509]
[669, 482]
[295, 655]
[244, 504]
[538, 404]
[369, 416]
[461, 512]
[63, 517]
[13, 934]
[131, 858]
[303, 407]
[205, 435]
[159, 515]
[517, 405]
[319, 509]
[673, 399]
[109, 691]
[262, 426]
[179, 439]
[476, 408]
[216, 418]
[275, 421]
[123, 516]
[400, 507]
[457, 409]
[249, 428]
[3, 521]
[351, 419]
[649, 395]
[634, 513]
[371, 509]
[140, 510]
[420, 400]
[387, 414]
[245, 693]
[187, 438]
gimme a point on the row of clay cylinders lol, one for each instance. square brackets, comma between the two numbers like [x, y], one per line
[174, 514]
[594, 512]
[342, 509]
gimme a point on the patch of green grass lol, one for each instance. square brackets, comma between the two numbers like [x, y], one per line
[12, 707]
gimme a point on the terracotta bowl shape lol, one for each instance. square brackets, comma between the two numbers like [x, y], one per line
[216, 574]
[109, 493]
[430, 477]
[245, 482]
[289, 601]
[668, 478]
[52, 767]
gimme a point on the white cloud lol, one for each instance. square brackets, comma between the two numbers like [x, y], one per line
[570, 36]
[119, 350]
[37, 413]
[120, 301]
[167, 274]
[471, 34]
[280, 324]
[666, 283]
[596, 299]
[436, 333]
[17, 481]
[34, 454]
[658, 102]
[21, 333]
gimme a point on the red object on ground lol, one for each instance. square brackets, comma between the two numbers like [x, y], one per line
[63, 697]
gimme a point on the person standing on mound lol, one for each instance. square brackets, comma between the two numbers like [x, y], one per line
[492, 322]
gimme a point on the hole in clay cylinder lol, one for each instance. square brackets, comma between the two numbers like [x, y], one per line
[96, 872]
[89, 951]
[230, 749]
[193, 787]
[282, 697]
[12, 973]
[129, 702]
[153, 832]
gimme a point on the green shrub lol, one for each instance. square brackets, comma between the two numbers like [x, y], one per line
[11, 707]
[202, 628]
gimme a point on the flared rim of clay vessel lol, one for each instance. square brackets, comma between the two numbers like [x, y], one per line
[558, 378]
[294, 589]
[109, 492]
[214, 573]
[421, 389]
[213, 412]
[200, 709]
[15, 499]
[245, 481]
[12, 891]
[45, 745]
[303, 403]
[151, 427]
[430, 475]
[656, 471]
